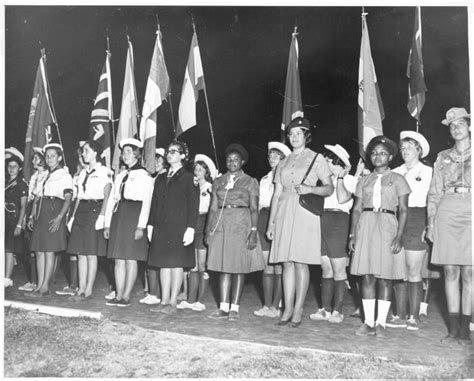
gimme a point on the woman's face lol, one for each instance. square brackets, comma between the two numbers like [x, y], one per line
[409, 152]
[234, 162]
[36, 161]
[274, 158]
[297, 138]
[380, 156]
[52, 158]
[13, 169]
[128, 156]
[459, 129]
[199, 172]
[159, 163]
[88, 155]
[173, 155]
[335, 169]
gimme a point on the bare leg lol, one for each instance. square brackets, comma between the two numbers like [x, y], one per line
[9, 264]
[302, 283]
[48, 271]
[40, 265]
[165, 279]
[120, 273]
[238, 281]
[91, 274]
[289, 287]
[176, 282]
[82, 270]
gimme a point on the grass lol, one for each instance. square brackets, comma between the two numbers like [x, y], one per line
[39, 345]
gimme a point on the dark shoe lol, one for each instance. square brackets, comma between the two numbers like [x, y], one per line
[218, 315]
[449, 339]
[380, 332]
[234, 316]
[158, 307]
[123, 303]
[282, 323]
[365, 330]
[467, 341]
[113, 302]
[77, 298]
[39, 294]
[169, 309]
[294, 324]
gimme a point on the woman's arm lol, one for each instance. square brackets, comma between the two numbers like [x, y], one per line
[273, 210]
[252, 238]
[343, 195]
[210, 215]
[21, 219]
[55, 222]
[31, 217]
[356, 211]
[396, 245]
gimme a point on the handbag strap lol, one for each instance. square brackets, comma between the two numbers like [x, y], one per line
[309, 169]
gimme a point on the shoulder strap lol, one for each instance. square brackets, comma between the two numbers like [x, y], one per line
[309, 169]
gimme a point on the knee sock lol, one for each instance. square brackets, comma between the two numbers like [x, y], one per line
[401, 298]
[415, 291]
[33, 275]
[423, 309]
[234, 307]
[193, 286]
[267, 281]
[224, 307]
[327, 292]
[73, 274]
[382, 311]
[464, 332]
[454, 324]
[203, 282]
[339, 290]
[277, 290]
[369, 311]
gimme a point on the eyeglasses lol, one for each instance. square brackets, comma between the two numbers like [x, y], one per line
[172, 151]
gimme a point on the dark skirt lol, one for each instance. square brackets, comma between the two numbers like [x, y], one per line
[334, 234]
[416, 223]
[262, 225]
[199, 232]
[42, 239]
[13, 244]
[84, 239]
[122, 243]
[167, 249]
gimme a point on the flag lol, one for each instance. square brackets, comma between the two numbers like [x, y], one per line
[42, 124]
[416, 80]
[370, 110]
[127, 127]
[193, 82]
[157, 89]
[102, 115]
[292, 104]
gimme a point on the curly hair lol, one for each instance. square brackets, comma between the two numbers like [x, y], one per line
[182, 148]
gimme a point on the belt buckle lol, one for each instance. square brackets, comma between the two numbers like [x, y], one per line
[461, 190]
[377, 210]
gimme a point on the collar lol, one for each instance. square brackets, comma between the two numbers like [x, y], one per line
[237, 174]
[136, 166]
[95, 167]
[174, 171]
[54, 170]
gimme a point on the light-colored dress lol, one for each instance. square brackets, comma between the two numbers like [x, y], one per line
[452, 210]
[297, 231]
[230, 227]
[376, 230]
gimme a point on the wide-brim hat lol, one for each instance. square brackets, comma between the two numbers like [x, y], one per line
[340, 152]
[381, 139]
[52, 145]
[299, 122]
[210, 164]
[283, 148]
[425, 146]
[239, 148]
[455, 113]
[14, 152]
[81, 143]
[160, 151]
[38, 150]
[130, 142]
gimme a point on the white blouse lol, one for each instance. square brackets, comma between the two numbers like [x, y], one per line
[98, 178]
[205, 193]
[266, 189]
[419, 179]
[57, 183]
[35, 186]
[330, 202]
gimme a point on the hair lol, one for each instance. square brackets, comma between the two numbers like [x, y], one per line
[136, 151]
[165, 163]
[41, 158]
[335, 160]
[275, 150]
[207, 176]
[182, 148]
[307, 134]
[416, 143]
[59, 151]
[96, 147]
[15, 159]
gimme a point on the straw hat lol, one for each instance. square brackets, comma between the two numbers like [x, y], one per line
[210, 164]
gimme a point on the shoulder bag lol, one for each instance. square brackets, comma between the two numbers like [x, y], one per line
[310, 201]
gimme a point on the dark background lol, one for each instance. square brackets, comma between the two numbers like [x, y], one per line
[244, 53]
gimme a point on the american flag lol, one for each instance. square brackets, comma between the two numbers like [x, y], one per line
[416, 80]
[103, 114]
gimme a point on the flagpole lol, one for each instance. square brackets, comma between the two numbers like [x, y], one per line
[111, 117]
[207, 106]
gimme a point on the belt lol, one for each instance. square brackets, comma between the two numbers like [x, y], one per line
[458, 190]
[378, 210]
[334, 210]
[92, 200]
[52, 198]
[232, 206]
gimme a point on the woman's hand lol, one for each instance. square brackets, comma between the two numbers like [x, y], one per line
[303, 189]
[429, 234]
[344, 171]
[271, 232]
[17, 231]
[106, 233]
[352, 244]
[54, 223]
[252, 240]
[138, 233]
[30, 223]
[396, 246]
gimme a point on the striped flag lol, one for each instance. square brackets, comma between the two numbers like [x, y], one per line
[42, 124]
[193, 82]
[292, 104]
[127, 127]
[370, 110]
[102, 115]
[157, 89]
[416, 80]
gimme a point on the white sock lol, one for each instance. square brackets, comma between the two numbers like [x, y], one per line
[224, 307]
[423, 308]
[369, 311]
[234, 307]
[382, 311]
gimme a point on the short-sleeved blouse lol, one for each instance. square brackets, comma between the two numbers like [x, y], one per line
[244, 187]
[57, 183]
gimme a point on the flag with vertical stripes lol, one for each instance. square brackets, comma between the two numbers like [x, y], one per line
[102, 115]
[42, 124]
[157, 89]
[292, 103]
[193, 82]
[416, 81]
[370, 110]
[127, 127]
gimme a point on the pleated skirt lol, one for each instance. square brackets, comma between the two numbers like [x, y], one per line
[13, 244]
